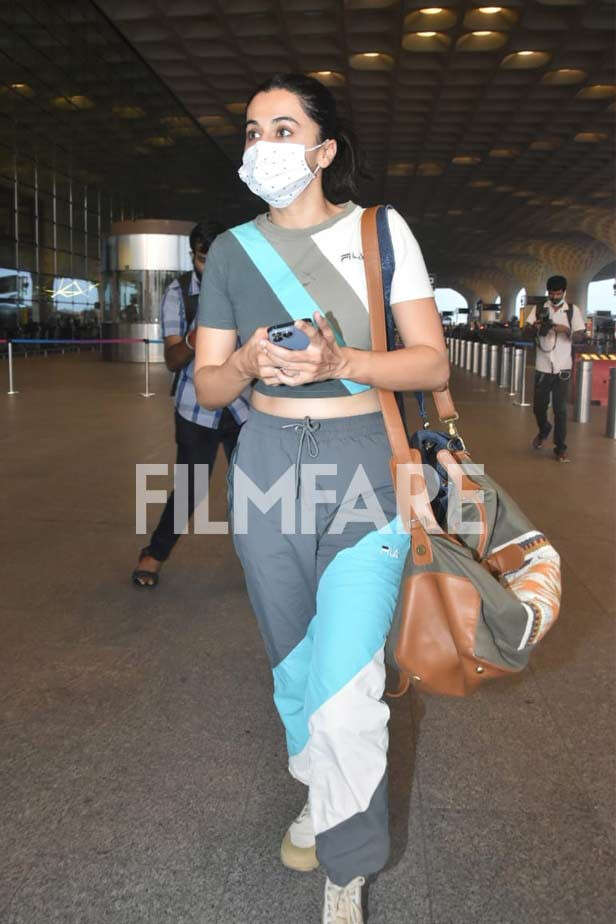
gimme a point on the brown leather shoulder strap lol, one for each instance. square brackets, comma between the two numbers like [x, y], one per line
[443, 400]
[376, 305]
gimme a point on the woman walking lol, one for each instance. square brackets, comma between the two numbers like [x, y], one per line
[323, 589]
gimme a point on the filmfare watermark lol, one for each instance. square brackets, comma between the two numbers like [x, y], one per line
[455, 499]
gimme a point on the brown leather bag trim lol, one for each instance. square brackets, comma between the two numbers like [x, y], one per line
[436, 640]
[506, 560]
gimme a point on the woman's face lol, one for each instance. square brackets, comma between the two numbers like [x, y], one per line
[278, 116]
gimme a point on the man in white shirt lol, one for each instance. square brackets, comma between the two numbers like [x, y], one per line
[556, 325]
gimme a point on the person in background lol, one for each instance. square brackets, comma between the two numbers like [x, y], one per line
[556, 325]
[198, 432]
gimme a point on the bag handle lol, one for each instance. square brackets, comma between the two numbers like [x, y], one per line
[443, 400]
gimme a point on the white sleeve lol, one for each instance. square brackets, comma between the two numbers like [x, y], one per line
[577, 321]
[410, 275]
[532, 316]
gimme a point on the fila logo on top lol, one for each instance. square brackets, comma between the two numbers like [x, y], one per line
[351, 256]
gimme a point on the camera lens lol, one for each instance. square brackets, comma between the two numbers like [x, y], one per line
[287, 333]
[277, 338]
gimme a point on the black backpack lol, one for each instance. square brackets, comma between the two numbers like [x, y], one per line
[190, 304]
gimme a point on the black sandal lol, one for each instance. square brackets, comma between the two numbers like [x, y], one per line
[143, 578]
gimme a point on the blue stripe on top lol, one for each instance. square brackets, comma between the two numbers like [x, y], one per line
[283, 282]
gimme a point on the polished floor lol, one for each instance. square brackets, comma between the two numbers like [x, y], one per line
[142, 766]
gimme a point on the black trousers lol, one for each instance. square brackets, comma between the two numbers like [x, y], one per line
[557, 385]
[197, 445]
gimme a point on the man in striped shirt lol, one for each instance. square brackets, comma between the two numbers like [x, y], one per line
[198, 432]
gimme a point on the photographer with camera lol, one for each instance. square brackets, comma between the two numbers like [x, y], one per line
[555, 325]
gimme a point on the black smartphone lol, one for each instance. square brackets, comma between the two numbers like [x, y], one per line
[289, 336]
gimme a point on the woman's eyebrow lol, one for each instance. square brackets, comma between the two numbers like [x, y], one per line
[277, 119]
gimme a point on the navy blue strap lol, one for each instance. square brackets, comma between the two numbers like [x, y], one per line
[388, 266]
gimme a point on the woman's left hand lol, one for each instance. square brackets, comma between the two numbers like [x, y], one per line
[322, 359]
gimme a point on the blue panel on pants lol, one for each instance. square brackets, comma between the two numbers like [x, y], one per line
[356, 599]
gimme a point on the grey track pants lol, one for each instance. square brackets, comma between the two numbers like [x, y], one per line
[323, 557]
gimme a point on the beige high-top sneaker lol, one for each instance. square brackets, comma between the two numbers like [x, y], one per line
[298, 850]
[342, 904]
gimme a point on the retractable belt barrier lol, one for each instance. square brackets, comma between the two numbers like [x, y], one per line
[25, 340]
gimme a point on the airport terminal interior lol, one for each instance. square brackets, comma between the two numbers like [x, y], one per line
[142, 763]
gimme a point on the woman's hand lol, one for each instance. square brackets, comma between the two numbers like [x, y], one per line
[322, 359]
[255, 362]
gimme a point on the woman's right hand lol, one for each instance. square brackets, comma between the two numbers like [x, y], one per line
[254, 360]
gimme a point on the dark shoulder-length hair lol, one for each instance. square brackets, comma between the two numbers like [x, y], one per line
[342, 178]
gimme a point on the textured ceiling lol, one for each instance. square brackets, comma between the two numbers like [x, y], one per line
[499, 166]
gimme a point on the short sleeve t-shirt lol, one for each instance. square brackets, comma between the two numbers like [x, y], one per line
[554, 352]
[327, 259]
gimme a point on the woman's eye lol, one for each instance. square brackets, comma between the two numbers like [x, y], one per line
[251, 134]
[284, 132]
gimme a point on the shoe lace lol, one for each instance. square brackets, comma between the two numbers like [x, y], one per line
[344, 902]
[305, 812]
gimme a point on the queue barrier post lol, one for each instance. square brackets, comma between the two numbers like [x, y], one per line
[523, 402]
[476, 354]
[583, 393]
[516, 368]
[147, 393]
[485, 360]
[494, 362]
[469, 356]
[12, 390]
[505, 367]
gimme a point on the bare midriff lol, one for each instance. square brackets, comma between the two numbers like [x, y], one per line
[366, 402]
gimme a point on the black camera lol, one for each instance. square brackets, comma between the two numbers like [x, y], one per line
[544, 320]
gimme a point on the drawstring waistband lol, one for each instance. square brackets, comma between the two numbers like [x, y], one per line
[305, 430]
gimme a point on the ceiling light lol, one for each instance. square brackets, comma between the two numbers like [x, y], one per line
[401, 169]
[598, 91]
[525, 60]
[236, 108]
[69, 103]
[159, 141]
[490, 10]
[523, 194]
[429, 168]
[372, 61]
[504, 188]
[212, 120]
[181, 126]
[481, 184]
[544, 145]
[455, 212]
[504, 152]
[590, 137]
[22, 88]
[481, 40]
[430, 17]
[329, 78]
[426, 42]
[464, 160]
[564, 76]
[128, 112]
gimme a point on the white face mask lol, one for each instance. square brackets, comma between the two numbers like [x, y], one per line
[277, 171]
